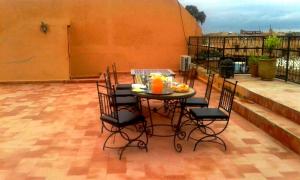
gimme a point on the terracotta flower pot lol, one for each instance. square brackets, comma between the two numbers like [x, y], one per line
[267, 69]
[254, 70]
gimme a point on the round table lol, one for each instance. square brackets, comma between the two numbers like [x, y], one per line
[179, 97]
[174, 95]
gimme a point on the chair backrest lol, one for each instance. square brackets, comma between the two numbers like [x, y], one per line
[114, 69]
[108, 85]
[99, 92]
[108, 74]
[190, 76]
[107, 104]
[209, 85]
[227, 95]
[185, 77]
[108, 77]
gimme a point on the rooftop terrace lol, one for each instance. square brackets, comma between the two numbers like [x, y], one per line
[51, 131]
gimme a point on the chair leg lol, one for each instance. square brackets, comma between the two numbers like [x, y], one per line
[102, 126]
[112, 134]
[173, 112]
[189, 135]
[212, 139]
[199, 126]
[146, 134]
[123, 149]
[209, 134]
[150, 117]
[141, 144]
[166, 103]
[188, 121]
[185, 113]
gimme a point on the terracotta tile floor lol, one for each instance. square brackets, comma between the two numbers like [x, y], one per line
[51, 131]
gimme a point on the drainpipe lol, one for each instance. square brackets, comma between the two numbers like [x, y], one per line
[69, 53]
[288, 59]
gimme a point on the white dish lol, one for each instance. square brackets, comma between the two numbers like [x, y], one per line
[138, 86]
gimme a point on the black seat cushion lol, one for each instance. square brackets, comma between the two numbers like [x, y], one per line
[128, 100]
[125, 118]
[196, 101]
[208, 113]
[123, 86]
[124, 92]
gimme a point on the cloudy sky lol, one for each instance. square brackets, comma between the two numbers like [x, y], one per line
[233, 15]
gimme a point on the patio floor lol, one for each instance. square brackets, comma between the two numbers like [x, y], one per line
[51, 131]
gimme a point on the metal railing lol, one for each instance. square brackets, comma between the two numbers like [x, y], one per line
[207, 51]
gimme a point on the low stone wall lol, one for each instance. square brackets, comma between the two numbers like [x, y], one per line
[218, 82]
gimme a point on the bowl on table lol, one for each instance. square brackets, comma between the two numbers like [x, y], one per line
[181, 88]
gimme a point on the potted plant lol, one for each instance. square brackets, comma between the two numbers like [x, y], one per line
[267, 64]
[253, 65]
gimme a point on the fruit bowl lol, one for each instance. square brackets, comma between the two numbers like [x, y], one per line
[181, 88]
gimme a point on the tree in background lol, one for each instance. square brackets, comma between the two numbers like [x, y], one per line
[199, 16]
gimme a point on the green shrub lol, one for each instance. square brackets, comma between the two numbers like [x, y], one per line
[271, 43]
[253, 60]
[264, 57]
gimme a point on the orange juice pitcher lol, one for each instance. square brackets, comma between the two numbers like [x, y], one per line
[157, 85]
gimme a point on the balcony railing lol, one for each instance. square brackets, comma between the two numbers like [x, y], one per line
[207, 51]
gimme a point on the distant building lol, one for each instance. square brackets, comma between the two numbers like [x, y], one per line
[250, 33]
[222, 34]
[293, 34]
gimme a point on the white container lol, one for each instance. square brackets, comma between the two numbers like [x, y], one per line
[185, 62]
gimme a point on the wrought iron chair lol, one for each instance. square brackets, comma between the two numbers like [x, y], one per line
[199, 101]
[119, 92]
[188, 78]
[119, 122]
[204, 119]
[121, 101]
[202, 101]
[119, 86]
[129, 103]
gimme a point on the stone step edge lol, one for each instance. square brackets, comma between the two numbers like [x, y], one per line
[281, 109]
[274, 106]
[284, 136]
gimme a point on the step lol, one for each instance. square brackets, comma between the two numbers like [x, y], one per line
[262, 93]
[281, 128]
[273, 103]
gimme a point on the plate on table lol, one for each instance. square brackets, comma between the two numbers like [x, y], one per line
[138, 90]
[181, 90]
[138, 86]
[164, 92]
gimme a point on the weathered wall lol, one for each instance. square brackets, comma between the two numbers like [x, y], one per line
[134, 34]
[27, 54]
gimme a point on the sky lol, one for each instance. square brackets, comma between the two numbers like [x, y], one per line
[233, 15]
